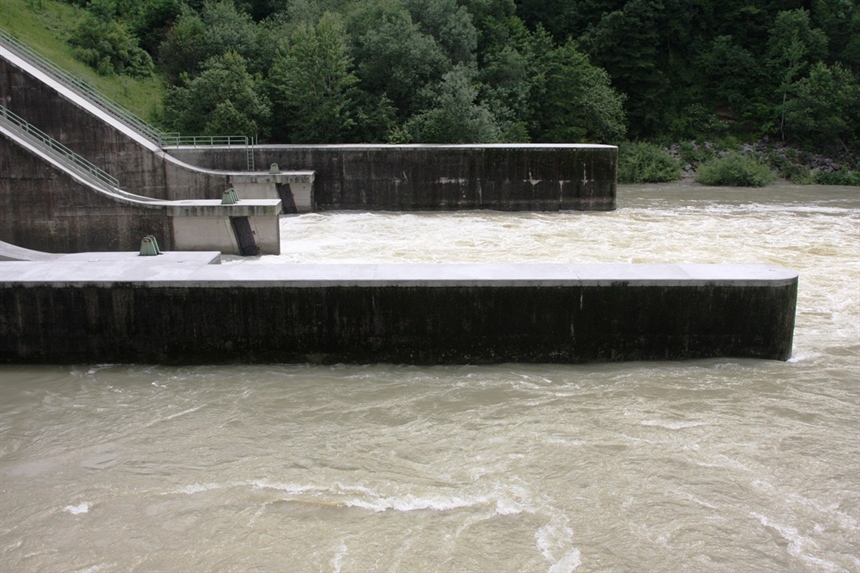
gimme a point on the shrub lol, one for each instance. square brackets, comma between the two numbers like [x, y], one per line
[735, 170]
[841, 177]
[645, 163]
[791, 169]
[108, 47]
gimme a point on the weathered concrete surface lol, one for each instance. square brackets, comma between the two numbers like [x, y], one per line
[294, 188]
[206, 225]
[545, 177]
[137, 162]
[46, 206]
[82, 127]
[98, 307]
[366, 177]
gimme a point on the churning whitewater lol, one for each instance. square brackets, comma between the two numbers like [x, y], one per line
[710, 465]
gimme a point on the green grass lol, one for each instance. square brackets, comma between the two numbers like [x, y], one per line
[46, 31]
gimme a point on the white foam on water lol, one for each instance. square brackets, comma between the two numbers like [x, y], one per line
[188, 411]
[799, 545]
[414, 503]
[90, 569]
[83, 507]
[502, 501]
[337, 560]
[672, 425]
[196, 488]
[554, 537]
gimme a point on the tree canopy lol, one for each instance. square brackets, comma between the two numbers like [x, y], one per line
[492, 70]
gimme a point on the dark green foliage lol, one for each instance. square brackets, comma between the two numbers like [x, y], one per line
[224, 99]
[455, 116]
[392, 55]
[195, 38]
[645, 163]
[311, 84]
[626, 42]
[539, 70]
[578, 103]
[449, 24]
[735, 170]
[153, 20]
[108, 47]
[842, 177]
[824, 107]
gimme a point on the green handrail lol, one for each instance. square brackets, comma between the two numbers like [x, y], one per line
[81, 86]
[57, 149]
[161, 138]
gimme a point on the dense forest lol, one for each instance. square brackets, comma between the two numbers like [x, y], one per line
[326, 71]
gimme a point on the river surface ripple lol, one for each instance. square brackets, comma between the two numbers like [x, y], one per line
[713, 465]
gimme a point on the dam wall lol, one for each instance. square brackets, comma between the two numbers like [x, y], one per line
[546, 177]
[43, 207]
[78, 123]
[505, 177]
[180, 309]
[53, 200]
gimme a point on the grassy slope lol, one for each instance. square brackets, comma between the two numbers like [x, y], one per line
[46, 30]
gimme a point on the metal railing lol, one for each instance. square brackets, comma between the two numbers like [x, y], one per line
[169, 140]
[79, 85]
[57, 150]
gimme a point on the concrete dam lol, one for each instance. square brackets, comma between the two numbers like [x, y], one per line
[76, 177]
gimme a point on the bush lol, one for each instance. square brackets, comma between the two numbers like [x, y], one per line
[841, 177]
[108, 47]
[645, 163]
[735, 170]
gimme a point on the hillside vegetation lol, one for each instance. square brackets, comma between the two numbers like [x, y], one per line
[46, 27]
[328, 71]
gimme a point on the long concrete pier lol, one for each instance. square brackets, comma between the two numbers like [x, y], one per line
[184, 307]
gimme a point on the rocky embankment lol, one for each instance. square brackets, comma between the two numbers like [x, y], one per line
[789, 161]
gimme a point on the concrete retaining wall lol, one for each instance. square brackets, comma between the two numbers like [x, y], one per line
[48, 206]
[137, 163]
[178, 310]
[366, 177]
[440, 177]
[44, 208]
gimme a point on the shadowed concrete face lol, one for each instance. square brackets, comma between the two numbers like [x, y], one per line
[177, 308]
[507, 177]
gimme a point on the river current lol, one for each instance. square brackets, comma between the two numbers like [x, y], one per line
[712, 465]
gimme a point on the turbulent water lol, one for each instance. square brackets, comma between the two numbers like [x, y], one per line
[716, 465]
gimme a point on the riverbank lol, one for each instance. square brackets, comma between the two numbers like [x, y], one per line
[790, 163]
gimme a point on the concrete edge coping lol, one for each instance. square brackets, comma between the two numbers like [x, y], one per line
[408, 146]
[181, 208]
[195, 270]
[265, 177]
[214, 208]
[75, 98]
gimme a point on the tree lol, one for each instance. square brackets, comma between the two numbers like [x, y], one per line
[392, 55]
[455, 117]
[626, 44]
[506, 86]
[825, 107]
[792, 46]
[311, 83]
[728, 74]
[575, 101]
[449, 24]
[107, 46]
[224, 99]
[219, 28]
